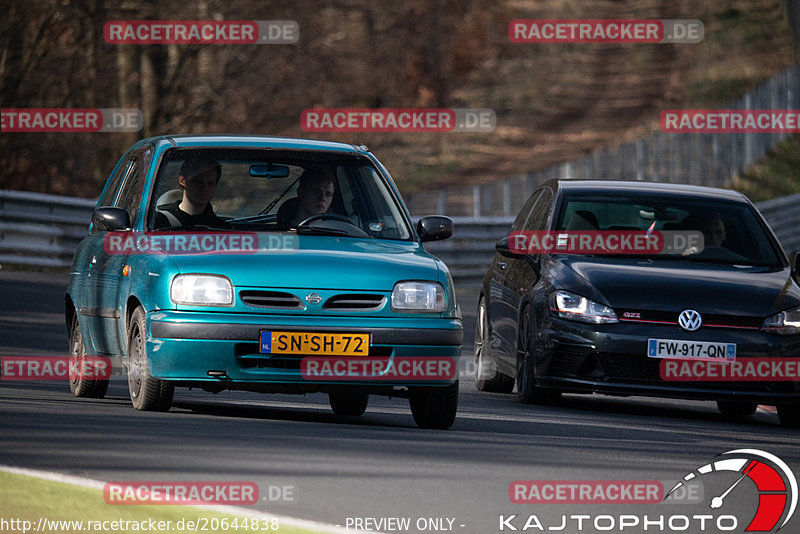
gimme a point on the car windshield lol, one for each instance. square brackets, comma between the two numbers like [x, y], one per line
[278, 191]
[731, 232]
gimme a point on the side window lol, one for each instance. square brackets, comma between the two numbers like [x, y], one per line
[113, 186]
[129, 196]
[540, 213]
[525, 211]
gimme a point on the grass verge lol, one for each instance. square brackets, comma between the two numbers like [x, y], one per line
[24, 498]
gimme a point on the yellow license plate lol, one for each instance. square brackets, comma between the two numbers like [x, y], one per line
[314, 343]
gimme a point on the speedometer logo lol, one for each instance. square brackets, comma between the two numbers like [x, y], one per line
[775, 482]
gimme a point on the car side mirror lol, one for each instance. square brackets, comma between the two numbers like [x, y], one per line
[109, 219]
[503, 247]
[434, 228]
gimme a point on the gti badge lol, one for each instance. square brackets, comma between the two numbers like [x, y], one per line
[690, 320]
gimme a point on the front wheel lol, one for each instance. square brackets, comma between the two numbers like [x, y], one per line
[147, 393]
[79, 386]
[487, 377]
[434, 407]
[528, 391]
[348, 403]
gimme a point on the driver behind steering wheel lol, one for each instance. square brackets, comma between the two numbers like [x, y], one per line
[314, 196]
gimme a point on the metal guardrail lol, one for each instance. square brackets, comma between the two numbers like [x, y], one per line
[41, 230]
[44, 230]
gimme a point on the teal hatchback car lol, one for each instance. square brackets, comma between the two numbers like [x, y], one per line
[264, 264]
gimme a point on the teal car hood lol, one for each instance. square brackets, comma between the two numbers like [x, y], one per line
[319, 262]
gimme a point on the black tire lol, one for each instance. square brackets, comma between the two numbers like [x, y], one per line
[736, 408]
[82, 387]
[487, 377]
[789, 414]
[434, 407]
[528, 391]
[348, 403]
[147, 393]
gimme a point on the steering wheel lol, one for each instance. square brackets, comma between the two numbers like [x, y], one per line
[324, 216]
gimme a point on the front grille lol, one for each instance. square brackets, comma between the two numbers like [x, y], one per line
[275, 300]
[355, 302]
[710, 320]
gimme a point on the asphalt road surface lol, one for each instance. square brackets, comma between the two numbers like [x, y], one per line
[338, 469]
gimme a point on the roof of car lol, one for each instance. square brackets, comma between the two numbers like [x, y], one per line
[623, 186]
[260, 141]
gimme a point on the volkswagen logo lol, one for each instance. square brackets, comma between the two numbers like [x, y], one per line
[690, 320]
[313, 298]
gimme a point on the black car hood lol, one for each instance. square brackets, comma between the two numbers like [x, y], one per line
[629, 283]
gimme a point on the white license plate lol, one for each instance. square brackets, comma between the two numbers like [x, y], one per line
[677, 348]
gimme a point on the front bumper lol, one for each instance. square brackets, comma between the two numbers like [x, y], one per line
[219, 350]
[612, 359]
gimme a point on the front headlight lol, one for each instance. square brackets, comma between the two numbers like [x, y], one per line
[418, 297]
[577, 308]
[785, 323]
[201, 290]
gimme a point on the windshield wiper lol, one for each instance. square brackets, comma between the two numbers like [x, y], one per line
[322, 231]
[277, 199]
[189, 227]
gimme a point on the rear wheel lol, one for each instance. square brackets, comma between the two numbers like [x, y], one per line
[147, 393]
[527, 350]
[487, 377]
[348, 403]
[434, 407]
[82, 387]
[736, 408]
[789, 414]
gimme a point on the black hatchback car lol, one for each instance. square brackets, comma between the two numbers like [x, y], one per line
[608, 286]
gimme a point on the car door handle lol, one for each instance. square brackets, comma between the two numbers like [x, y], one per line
[502, 265]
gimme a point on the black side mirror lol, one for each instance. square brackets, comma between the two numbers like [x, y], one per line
[434, 228]
[110, 219]
[503, 247]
